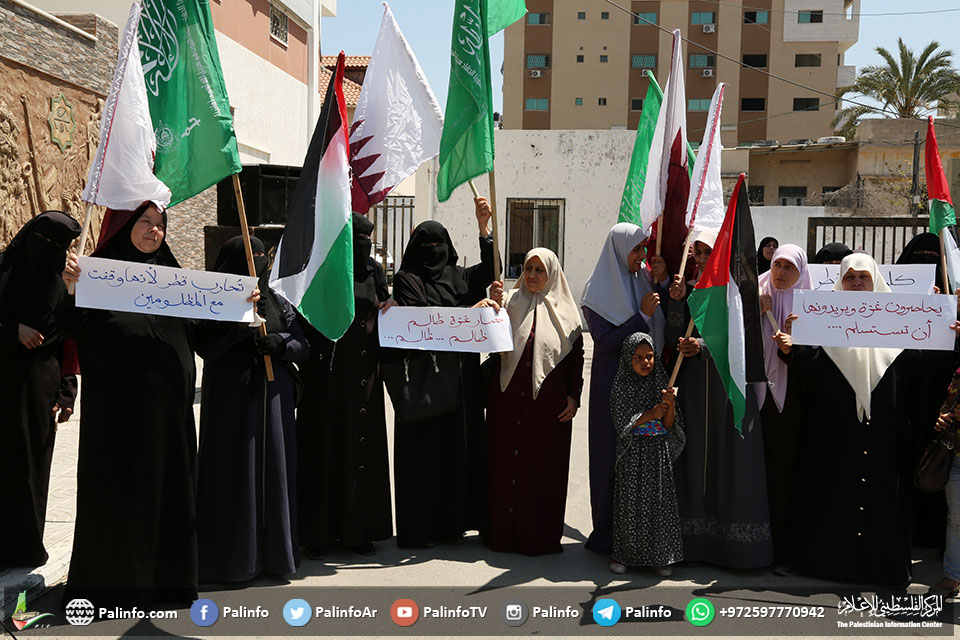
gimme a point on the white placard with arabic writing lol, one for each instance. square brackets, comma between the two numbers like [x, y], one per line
[446, 329]
[164, 291]
[902, 278]
[869, 319]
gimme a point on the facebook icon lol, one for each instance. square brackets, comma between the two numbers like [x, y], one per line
[204, 612]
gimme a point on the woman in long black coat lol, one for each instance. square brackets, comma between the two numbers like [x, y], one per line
[246, 496]
[440, 462]
[344, 473]
[32, 386]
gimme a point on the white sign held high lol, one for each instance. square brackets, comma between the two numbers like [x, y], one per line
[164, 291]
[446, 329]
[869, 319]
[902, 278]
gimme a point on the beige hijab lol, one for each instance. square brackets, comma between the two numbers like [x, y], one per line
[558, 321]
[862, 366]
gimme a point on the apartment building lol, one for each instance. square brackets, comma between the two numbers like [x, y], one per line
[580, 64]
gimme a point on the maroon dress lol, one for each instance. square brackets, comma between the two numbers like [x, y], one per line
[529, 454]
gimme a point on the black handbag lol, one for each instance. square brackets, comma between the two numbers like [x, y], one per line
[422, 384]
[933, 471]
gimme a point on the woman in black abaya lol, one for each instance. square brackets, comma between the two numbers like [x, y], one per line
[32, 386]
[246, 497]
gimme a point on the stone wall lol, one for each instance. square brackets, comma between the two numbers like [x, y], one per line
[185, 223]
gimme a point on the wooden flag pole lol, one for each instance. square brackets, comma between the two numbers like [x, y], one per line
[686, 251]
[676, 367]
[943, 265]
[660, 234]
[245, 230]
[773, 321]
[493, 222]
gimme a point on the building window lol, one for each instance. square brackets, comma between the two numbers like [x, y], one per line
[806, 104]
[703, 17]
[579, 58]
[753, 104]
[532, 223]
[538, 18]
[604, 15]
[807, 60]
[756, 17]
[826, 190]
[602, 102]
[538, 61]
[538, 104]
[643, 61]
[804, 17]
[755, 194]
[702, 61]
[698, 105]
[581, 15]
[578, 102]
[603, 58]
[755, 60]
[649, 17]
[636, 104]
[793, 196]
[278, 24]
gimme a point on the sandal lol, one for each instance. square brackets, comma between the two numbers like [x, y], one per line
[618, 567]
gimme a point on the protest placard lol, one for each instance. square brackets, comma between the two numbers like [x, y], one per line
[446, 329]
[870, 319]
[164, 291]
[902, 278]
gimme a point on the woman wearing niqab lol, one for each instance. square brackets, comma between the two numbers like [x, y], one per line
[32, 383]
[344, 473]
[246, 492]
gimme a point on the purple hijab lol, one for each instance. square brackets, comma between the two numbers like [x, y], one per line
[782, 306]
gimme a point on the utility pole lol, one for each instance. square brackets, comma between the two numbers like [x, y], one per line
[915, 190]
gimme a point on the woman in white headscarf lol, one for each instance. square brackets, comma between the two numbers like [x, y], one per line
[852, 506]
[617, 302]
[532, 401]
[720, 475]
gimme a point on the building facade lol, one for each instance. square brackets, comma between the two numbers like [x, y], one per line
[574, 64]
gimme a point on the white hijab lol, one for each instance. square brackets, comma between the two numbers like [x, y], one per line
[863, 367]
[613, 292]
[558, 321]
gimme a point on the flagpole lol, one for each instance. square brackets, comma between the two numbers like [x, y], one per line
[245, 230]
[943, 264]
[493, 222]
[686, 250]
[676, 367]
[660, 234]
[773, 321]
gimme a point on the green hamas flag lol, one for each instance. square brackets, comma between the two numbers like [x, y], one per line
[196, 144]
[466, 145]
[503, 13]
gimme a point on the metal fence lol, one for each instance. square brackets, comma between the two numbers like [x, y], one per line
[392, 226]
[883, 238]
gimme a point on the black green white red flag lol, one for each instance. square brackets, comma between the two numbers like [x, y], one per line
[943, 217]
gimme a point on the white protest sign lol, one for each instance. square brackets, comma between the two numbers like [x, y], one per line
[902, 278]
[870, 319]
[164, 291]
[446, 329]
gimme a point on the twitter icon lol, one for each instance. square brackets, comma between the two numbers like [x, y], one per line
[296, 612]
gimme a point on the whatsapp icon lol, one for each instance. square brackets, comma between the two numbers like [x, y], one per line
[700, 612]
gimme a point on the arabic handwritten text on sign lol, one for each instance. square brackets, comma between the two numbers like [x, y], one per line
[164, 291]
[902, 278]
[446, 329]
[869, 319]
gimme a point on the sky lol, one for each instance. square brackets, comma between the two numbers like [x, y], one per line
[426, 24]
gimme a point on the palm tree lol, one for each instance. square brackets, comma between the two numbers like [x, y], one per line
[908, 87]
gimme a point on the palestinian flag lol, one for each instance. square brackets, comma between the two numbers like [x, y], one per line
[313, 268]
[943, 217]
[725, 304]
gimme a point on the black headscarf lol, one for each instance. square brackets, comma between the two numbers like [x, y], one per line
[118, 245]
[923, 249]
[832, 252]
[31, 286]
[233, 259]
[364, 273]
[763, 265]
[436, 266]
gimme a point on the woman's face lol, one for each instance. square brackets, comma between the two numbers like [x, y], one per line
[701, 254]
[769, 249]
[534, 274]
[784, 274]
[148, 231]
[636, 256]
[643, 359]
[857, 280]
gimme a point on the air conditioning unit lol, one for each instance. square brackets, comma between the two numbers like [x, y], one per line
[706, 73]
[709, 28]
[831, 139]
[536, 73]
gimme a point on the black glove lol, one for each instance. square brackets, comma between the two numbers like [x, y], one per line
[271, 344]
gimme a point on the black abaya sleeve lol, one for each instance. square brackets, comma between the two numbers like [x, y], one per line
[574, 364]
[408, 290]
[297, 347]
[381, 282]
[479, 276]
[9, 335]
[67, 396]
[213, 338]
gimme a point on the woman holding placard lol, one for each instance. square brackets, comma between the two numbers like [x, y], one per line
[534, 395]
[618, 300]
[439, 461]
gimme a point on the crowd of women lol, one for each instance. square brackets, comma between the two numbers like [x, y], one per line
[817, 481]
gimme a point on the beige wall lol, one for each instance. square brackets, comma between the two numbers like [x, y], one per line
[813, 169]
